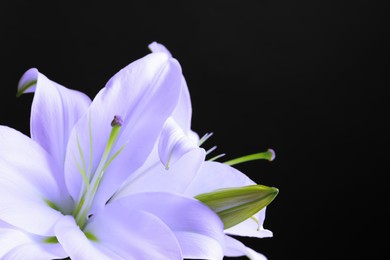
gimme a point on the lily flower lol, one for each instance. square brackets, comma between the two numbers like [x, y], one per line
[177, 147]
[57, 187]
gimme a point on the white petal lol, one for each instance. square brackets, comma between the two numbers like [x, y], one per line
[54, 112]
[26, 181]
[215, 175]
[191, 220]
[157, 178]
[144, 95]
[134, 234]
[235, 248]
[77, 245]
[251, 227]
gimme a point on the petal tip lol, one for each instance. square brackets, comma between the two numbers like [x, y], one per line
[27, 82]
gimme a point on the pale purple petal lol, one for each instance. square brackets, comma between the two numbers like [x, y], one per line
[33, 251]
[183, 111]
[54, 112]
[189, 219]
[27, 184]
[156, 178]
[173, 143]
[157, 47]
[77, 245]
[198, 246]
[215, 175]
[144, 95]
[134, 234]
[235, 248]
[16, 244]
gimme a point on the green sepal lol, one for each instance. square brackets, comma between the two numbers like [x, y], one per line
[234, 205]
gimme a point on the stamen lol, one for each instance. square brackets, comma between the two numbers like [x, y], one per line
[88, 196]
[268, 155]
[211, 149]
[169, 158]
[217, 157]
[257, 222]
[204, 138]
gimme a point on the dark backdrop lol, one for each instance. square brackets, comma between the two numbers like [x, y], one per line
[306, 78]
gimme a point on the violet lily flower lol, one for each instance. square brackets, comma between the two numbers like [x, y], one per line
[57, 187]
[177, 147]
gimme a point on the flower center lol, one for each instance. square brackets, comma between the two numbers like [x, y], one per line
[91, 186]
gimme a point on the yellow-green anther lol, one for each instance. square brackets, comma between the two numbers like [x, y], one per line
[267, 155]
[234, 205]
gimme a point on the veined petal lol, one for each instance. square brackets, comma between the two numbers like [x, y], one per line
[77, 245]
[235, 248]
[16, 244]
[144, 95]
[156, 178]
[192, 222]
[173, 143]
[54, 112]
[27, 186]
[134, 234]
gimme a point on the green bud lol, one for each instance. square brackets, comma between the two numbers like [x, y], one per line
[234, 205]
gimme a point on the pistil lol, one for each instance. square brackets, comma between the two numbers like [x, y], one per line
[86, 200]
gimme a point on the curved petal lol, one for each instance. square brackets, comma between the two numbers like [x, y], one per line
[215, 175]
[144, 95]
[77, 245]
[183, 111]
[158, 47]
[198, 229]
[27, 186]
[16, 244]
[157, 178]
[134, 234]
[173, 143]
[252, 227]
[34, 251]
[54, 112]
[235, 248]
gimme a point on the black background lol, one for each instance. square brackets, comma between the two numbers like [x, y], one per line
[306, 78]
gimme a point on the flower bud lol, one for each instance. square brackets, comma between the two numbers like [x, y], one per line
[234, 205]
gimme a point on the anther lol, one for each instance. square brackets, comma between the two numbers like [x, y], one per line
[116, 121]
